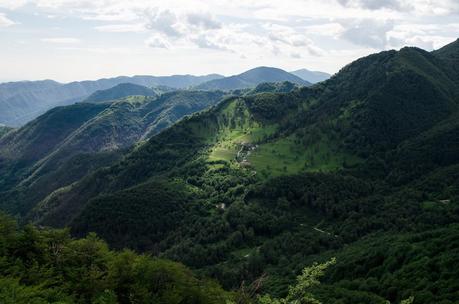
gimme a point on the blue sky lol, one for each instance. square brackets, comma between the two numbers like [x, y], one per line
[70, 40]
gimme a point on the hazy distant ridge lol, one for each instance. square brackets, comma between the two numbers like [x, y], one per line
[22, 101]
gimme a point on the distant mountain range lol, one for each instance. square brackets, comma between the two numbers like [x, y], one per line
[311, 76]
[120, 91]
[23, 101]
[252, 78]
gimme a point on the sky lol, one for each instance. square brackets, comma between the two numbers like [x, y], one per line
[69, 40]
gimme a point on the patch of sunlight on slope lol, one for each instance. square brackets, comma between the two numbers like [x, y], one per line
[230, 140]
[286, 156]
[244, 142]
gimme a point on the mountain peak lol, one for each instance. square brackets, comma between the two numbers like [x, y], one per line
[252, 78]
[262, 68]
[311, 76]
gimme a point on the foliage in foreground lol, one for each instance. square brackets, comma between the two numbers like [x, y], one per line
[48, 266]
[300, 293]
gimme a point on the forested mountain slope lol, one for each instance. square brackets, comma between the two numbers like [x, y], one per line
[450, 56]
[272, 87]
[369, 108]
[4, 130]
[362, 166]
[66, 143]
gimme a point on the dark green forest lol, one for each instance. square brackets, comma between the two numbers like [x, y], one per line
[48, 266]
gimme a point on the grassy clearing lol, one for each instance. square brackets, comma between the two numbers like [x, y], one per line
[229, 140]
[282, 156]
[135, 99]
[286, 156]
[227, 145]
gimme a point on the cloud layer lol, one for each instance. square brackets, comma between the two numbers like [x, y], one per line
[5, 22]
[317, 32]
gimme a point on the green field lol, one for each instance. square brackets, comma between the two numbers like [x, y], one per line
[287, 156]
[268, 156]
[229, 141]
[282, 156]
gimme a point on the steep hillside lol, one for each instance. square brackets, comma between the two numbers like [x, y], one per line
[4, 130]
[450, 56]
[21, 102]
[42, 135]
[120, 91]
[10, 89]
[251, 78]
[273, 87]
[18, 100]
[270, 181]
[22, 148]
[370, 107]
[311, 76]
[362, 166]
[66, 143]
